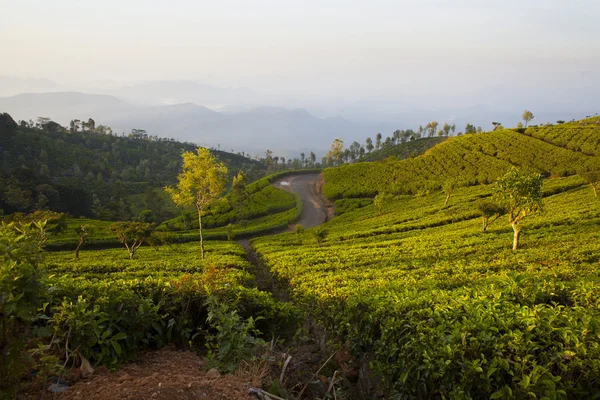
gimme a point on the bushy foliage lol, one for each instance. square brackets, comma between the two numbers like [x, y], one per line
[21, 295]
[404, 150]
[469, 160]
[443, 310]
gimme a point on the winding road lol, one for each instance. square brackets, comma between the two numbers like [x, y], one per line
[314, 211]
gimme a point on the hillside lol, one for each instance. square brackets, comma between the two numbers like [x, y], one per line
[407, 288]
[472, 159]
[88, 174]
[440, 307]
[404, 150]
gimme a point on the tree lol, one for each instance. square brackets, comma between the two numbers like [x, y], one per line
[470, 128]
[527, 116]
[201, 181]
[432, 127]
[369, 145]
[489, 209]
[591, 173]
[354, 150]
[378, 141]
[74, 125]
[8, 126]
[132, 234]
[520, 195]
[269, 159]
[446, 128]
[146, 216]
[83, 234]
[336, 151]
[313, 158]
[238, 194]
[380, 200]
[448, 187]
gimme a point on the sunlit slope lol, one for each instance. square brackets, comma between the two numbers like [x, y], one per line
[442, 308]
[401, 151]
[469, 160]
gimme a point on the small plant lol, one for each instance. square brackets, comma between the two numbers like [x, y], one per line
[490, 212]
[231, 339]
[320, 234]
[298, 229]
[230, 232]
[380, 201]
[132, 234]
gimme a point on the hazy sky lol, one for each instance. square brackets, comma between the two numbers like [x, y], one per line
[335, 48]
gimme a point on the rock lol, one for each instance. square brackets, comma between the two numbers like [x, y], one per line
[58, 388]
[213, 373]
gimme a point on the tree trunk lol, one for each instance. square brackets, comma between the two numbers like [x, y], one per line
[447, 198]
[78, 247]
[516, 237]
[200, 229]
[485, 224]
[595, 188]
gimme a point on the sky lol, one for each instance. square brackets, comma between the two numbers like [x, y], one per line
[347, 49]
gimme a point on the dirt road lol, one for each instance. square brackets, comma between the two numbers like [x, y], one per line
[305, 186]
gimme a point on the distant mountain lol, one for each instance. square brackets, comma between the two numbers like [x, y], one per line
[288, 132]
[10, 85]
[173, 92]
[61, 106]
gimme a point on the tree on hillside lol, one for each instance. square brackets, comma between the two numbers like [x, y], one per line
[446, 128]
[354, 150]
[527, 116]
[132, 234]
[591, 173]
[201, 182]
[432, 128]
[239, 194]
[313, 159]
[490, 212]
[269, 159]
[380, 200]
[369, 145]
[334, 155]
[8, 126]
[520, 195]
[378, 141]
[448, 187]
[469, 128]
[83, 233]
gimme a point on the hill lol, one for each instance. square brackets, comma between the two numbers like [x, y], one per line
[472, 159]
[439, 307]
[90, 173]
[404, 150]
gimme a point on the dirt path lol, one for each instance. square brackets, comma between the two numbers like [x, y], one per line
[314, 211]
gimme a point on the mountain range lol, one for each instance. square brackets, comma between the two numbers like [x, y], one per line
[244, 119]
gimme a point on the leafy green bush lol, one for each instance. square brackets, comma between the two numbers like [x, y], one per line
[230, 339]
[21, 295]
